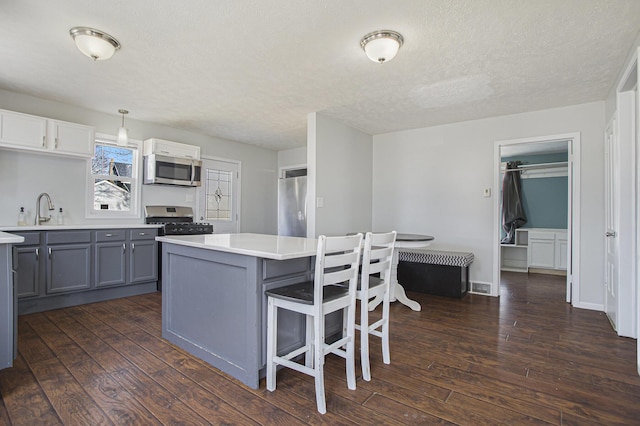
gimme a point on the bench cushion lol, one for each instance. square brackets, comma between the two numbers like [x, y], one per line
[436, 257]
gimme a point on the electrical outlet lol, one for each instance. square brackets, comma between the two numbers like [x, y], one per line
[487, 192]
[320, 202]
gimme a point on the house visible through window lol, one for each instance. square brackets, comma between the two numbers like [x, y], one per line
[113, 180]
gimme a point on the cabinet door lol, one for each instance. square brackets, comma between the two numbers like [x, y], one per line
[68, 267]
[173, 149]
[541, 253]
[71, 138]
[110, 263]
[23, 130]
[143, 261]
[28, 271]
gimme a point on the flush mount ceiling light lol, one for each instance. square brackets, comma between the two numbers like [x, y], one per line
[94, 43]
[382, 46]
[123, 138]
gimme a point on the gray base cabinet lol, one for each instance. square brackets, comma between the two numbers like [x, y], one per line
[143, 257]
[29, 270]
[70, 267]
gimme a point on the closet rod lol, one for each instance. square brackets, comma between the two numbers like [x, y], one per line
[524, 167]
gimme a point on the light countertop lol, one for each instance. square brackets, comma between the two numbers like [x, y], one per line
[10, 238]
[258, 245]
[26, 228]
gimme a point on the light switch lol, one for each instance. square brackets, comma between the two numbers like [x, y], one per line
[320, 202]
[487, 192]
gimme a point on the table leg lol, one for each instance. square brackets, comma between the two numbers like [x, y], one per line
[396, 291]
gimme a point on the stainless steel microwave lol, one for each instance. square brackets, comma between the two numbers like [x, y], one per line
[160, 169]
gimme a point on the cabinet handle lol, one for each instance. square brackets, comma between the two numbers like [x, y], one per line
[44, 141]
[133, 247]
[124, 247]
[141, 233]
[108, 235]
[610, 234]
[56, 143]
[37, 254]
[49, 252]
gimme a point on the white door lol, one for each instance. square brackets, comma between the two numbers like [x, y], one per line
[219, 195]
[611, 242]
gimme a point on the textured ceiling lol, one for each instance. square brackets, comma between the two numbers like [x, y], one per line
[251, 70]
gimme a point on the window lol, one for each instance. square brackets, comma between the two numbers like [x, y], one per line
[113, 189]
[218, 185]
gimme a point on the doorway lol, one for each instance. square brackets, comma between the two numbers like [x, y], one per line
[563, 250]
[218, 199]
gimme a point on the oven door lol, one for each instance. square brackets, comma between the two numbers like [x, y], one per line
[160, 169]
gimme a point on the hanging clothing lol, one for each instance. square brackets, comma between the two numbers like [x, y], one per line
[513, 215]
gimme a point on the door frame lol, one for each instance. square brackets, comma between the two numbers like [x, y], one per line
[573, 219]
[239, 188]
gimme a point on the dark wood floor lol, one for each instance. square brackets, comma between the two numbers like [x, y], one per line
[524, 358]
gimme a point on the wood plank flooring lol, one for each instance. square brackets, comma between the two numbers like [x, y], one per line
[524, 358]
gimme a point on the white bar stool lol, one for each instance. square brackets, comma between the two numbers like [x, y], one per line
[337, 262]
[377, 258]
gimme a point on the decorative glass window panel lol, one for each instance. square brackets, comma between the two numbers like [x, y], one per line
[218, 184]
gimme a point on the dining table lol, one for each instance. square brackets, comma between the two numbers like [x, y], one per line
[396, 291]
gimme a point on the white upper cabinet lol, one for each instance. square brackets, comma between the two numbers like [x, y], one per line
[22, 130]
[71, 138]
[171, 149]
[39, 134]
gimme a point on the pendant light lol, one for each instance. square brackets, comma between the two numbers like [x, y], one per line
[382, 46]
[123, 138]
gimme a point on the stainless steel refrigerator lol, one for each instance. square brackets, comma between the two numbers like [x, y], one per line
[292, 209]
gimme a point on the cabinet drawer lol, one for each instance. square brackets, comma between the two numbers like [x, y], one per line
[63, 237]
[536, 235]
[30, 238]
[111, 235]
[143, 234]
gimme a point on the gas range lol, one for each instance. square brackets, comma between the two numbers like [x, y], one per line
[176, 220]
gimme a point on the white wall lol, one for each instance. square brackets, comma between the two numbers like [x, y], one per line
[431, 181]
[611, 98]
[339, 166]
[292, 157]
[23, 176]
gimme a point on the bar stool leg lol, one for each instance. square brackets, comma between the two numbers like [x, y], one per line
[364, 342]
[318, 363]
[272, 335]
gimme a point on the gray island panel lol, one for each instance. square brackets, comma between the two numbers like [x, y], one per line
[213, 306]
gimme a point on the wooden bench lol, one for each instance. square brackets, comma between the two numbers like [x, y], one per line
[437, 272]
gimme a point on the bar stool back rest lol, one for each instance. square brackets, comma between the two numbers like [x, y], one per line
[337, 262]
[377, 258]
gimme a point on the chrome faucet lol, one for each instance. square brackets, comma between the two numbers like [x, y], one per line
[39, 219]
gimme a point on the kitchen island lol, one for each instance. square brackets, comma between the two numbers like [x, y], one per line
[8, 312]
[213, 302]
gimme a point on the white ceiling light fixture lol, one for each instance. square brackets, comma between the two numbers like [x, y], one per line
[96, 44]
[123, 138]
[382, 46]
